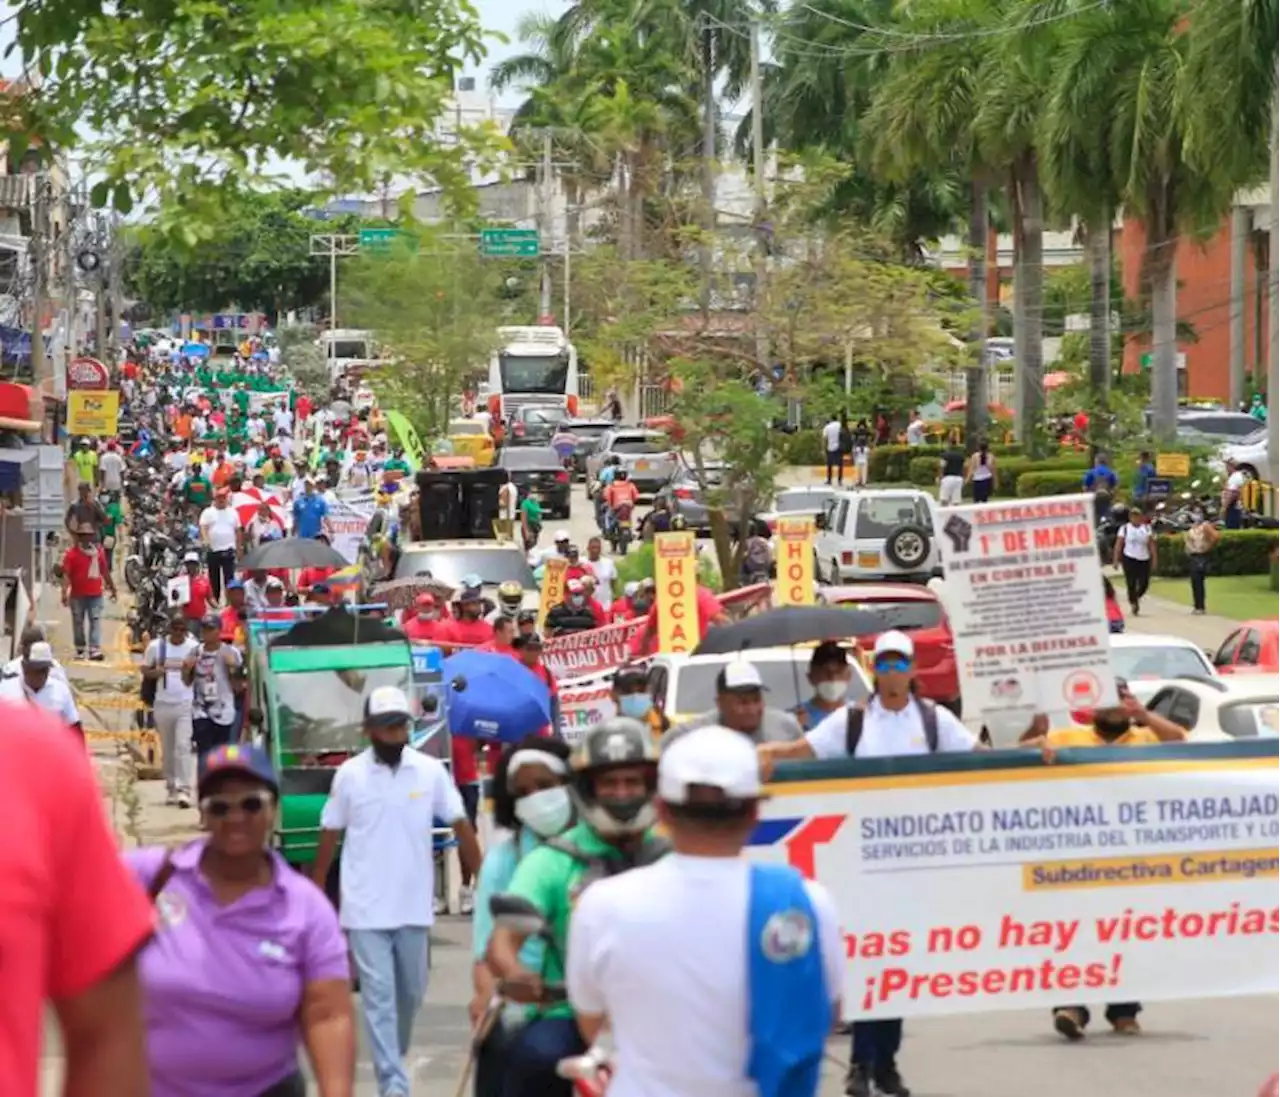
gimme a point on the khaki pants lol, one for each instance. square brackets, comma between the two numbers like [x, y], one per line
[173, 725]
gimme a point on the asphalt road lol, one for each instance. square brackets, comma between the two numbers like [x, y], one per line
[1224, 1046]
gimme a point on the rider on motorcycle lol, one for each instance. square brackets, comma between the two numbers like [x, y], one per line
[614, 781]
[604, 478]
[620, 498]
[510, 598]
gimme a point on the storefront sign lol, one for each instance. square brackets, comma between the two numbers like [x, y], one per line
[92, 412]
[87, 373]
[676, 573]
[1024, 594]
[794, 585]
[1020, 885]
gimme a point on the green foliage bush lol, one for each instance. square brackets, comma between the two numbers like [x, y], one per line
[638, 564]
[1238, 552]
[893, 464]
[1036, 482]
[802, 448]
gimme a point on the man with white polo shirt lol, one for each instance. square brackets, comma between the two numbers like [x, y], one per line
[894, 721]
[751, 959]
[36, 685]
[386, 801]
[32, 634]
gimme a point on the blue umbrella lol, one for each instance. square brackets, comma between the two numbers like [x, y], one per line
[260, 356]
[492, 696]
[195, 350]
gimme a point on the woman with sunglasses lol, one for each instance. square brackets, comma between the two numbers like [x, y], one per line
[247, 954]
[531, 800]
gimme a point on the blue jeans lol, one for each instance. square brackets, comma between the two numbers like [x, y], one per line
[392, 964]
[876, 1043]
[86, 621]
[532, 1054]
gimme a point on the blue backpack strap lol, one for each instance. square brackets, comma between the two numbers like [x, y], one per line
[789, 1015]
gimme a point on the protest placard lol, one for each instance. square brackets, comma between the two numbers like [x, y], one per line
[675, 558]
[795, 563]
[1150, 874]
[584, 702]
[1024, 595]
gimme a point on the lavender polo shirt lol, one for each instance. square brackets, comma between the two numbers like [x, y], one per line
[223, 985]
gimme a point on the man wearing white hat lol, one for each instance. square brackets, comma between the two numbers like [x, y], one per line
[37, 685]
[893, 722]
[752, 960]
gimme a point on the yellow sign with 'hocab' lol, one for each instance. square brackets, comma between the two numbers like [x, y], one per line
[794, 585]
[675, 558]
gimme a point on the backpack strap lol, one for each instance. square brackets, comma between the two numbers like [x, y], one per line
[853, 729]
[162, 876]
[929, 718]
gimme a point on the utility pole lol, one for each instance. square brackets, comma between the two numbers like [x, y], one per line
[332, 245]
[71, 337]
[41, 252]
[708, 161]
[100, 292]
[544, 227]
[759, 259]
[115, 276]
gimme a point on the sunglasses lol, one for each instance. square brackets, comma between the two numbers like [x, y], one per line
[219, 807]
[893, 663]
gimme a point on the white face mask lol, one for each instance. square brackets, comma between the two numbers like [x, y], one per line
[546, 812]
[831, 691]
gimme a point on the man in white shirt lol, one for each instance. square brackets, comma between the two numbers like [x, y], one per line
[386, 801]
[893, 722]
[831, 445]
[256, 428]
[915, 429]
[221, 532]
[606, 573]
[170, 662]
[32, 634]
[1232, 512]
[282, 417]
[36, 685]
[111, 468]
[690, 1025]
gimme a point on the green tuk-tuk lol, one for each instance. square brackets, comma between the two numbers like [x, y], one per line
[309, 677]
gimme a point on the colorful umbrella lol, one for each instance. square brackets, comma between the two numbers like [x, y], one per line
[247, 500]
[401, 593]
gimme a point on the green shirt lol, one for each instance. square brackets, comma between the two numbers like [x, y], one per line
[532, 509]
[550, 880]
[115, 515]
[397, 464]
[86, 464]
[197, 491]
[241, 400]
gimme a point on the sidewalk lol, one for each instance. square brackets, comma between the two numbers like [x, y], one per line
[1162, 617]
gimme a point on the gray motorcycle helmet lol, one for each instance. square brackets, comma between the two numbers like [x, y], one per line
[617, 742]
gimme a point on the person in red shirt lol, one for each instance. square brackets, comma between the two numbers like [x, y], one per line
[464, 765]
[201, 589]
[528, 649]
[308, 577]
[425, 625]
[578, 568]
[710, 613]
[303, 407]
[504, 631]
[469, 629]
[621, 492]
[85, 575]
[624, 609]
[234, 616]
[72, 919]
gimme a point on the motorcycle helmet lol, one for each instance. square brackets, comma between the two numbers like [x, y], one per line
[510, 597]
[614, 743]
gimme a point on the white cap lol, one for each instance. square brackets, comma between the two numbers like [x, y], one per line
[894, 642]
[630, 588]
[738, 674]
[191, 558]
[387, 705]
[713, 756]
[40, 654]
[274, 581]
[561, 535]
[574, 586]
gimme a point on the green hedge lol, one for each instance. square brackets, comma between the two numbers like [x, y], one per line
[1238, 552]
[893, 464]
[1038, 482]
[802, 448]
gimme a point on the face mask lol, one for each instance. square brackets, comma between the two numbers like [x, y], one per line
[387, 753]
[546, 812]
[635, 705]
[577, 600]
[831, 691]
[426, 616]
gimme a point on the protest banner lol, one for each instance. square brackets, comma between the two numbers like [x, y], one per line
[1012, 884]
[552, 594]
[1024, 595]
[794, 585]
[91, 411]
[348, 522]
[675, 557]
[430, 731]
[584, 702]
[604, 649]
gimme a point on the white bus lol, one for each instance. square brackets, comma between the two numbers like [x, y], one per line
[533, 366]
[347, 350]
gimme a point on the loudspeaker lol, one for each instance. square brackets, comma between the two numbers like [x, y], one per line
[440, 506]
[480, 500]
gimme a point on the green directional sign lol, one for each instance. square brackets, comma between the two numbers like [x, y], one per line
[382, 239]
[509, 243]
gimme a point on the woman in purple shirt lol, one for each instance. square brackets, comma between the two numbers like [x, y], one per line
[248, 955]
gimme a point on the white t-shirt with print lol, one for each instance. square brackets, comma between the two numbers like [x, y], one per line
[887, 733]
[171, 689]
[1137, 541]
[606, 571]
[681, 1025]
[214, 699]
[831, 436]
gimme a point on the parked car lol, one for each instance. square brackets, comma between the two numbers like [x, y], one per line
[877, 535]
[917, 611]
[588, 432]
[645, 454]
[1251, 456]
[803, 502]
[1212, 424]
[535, 424]
[1144, 660]
[1254, 646]
[538, 471]
[683, 686]
[1218, 709]
[685, 497]
[469, 438]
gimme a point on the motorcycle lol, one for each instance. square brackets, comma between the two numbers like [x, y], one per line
[620, 533]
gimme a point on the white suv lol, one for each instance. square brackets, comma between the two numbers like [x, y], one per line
[866, 535]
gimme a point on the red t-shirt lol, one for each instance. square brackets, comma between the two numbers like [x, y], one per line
[708, 609]
[309, 577]
[76, 565]
[70, 913]
[463, 755]
[303, 407]
[471, 633]
[233, 628]
[578, 571]
[426, 632]
[201, 592]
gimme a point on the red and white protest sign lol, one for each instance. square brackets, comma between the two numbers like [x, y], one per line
[87, 373]
[584, 702]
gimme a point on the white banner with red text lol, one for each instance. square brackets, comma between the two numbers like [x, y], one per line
[584, 702]
[1019, 885]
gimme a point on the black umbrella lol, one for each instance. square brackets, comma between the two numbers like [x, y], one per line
[293, 552]
[790, 625]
